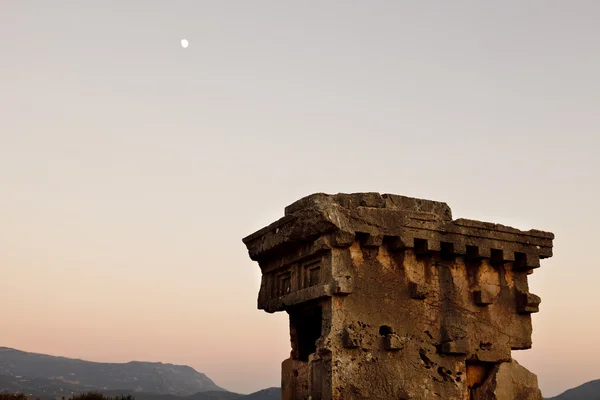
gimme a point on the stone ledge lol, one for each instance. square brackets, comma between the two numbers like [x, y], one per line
[406, 222]
[435, 209]
[280, 303]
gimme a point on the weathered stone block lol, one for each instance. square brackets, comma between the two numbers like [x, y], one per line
[342, 239]
[508, 381]
[351, 339]
[492, 352]
[459, 247]
[393, 342]
[528, 303]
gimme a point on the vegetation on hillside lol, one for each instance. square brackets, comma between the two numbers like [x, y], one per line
[82, 396]
[13, 396]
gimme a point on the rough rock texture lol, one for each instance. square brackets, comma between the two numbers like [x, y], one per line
[509, 380]
[390, 298]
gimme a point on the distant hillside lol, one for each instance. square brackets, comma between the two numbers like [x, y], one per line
[133, 376]
[587, 391]
[265, 394]
[50, 389]
[38, 386]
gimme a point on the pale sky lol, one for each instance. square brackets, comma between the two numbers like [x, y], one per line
[131, 168]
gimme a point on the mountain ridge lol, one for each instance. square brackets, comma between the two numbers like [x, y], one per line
[4, 348]
[586, 391]
[137, 376]
[47, 389]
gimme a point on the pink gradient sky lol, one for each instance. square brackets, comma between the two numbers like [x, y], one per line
[130, 168]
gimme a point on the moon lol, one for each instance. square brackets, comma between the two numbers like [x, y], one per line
[184, 43]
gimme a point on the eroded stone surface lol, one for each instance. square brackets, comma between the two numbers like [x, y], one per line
[389, 298]
[508, 381]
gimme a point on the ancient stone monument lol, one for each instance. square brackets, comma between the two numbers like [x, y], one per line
[390, 298]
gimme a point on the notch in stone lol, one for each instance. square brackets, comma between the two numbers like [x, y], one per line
[421, 246]
[496, 256]
[369, 240]
[483, 297]
[424, 246]
[477, 252]
[528, 303]
[417, 290]
[525, 261]
[447, 250]
[397, 243]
